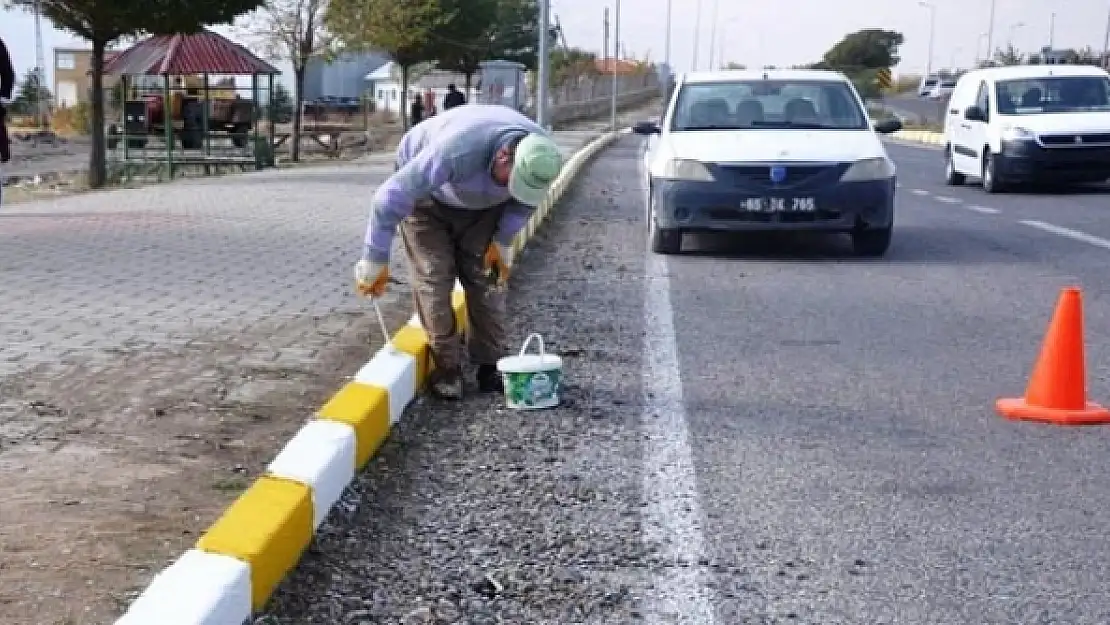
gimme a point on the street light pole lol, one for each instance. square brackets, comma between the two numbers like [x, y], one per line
[978, 47]
[1052, 32]
[544, 64]
[667, 45]
[932, 33]
[697, 35]
[990, 32]
[1106, 38]
[713, 35]
[1010, 39]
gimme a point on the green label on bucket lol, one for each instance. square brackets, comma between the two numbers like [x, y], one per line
[532, 390]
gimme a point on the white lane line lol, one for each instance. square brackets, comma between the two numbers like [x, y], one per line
[919, 192]
[947, 200]
[986, 210]
[1075, 235]
[673, 517]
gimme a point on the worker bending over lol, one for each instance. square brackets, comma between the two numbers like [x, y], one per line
[467, 181]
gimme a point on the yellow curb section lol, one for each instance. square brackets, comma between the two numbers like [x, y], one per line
[269, 526]
[365, 408]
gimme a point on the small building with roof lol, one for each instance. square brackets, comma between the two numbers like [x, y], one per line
[184, 87]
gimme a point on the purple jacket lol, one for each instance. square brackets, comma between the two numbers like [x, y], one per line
[449, 157]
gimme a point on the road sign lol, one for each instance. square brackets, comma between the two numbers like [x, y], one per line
[885, 80]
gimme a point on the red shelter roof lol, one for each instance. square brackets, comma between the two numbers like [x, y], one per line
[205, 52]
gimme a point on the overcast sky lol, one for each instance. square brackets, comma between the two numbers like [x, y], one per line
[782, 32]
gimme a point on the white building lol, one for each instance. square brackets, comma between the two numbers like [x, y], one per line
[384, 84]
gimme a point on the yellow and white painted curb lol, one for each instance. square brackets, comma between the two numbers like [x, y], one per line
[920, 136]
[237, 564]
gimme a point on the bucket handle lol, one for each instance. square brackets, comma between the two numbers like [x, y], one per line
[528, 341]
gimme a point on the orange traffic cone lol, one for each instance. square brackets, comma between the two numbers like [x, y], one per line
[1057, 391]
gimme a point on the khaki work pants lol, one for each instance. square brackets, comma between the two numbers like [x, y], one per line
[442, 244]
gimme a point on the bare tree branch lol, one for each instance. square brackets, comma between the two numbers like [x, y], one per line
[292, 30]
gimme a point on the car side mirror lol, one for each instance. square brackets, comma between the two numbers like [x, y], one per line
[975, 114]
[646, 128]
[889, 125]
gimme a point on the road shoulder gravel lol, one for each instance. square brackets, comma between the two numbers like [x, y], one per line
[475, 513]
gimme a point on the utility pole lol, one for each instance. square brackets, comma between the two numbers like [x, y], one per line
[667, 45]
[605, 46]
[616, 46]
[1052, 32]
[990, 32]
[542, 77]
[40, 70]
[697, 35]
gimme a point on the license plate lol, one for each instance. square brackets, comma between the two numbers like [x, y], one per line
[779, 205]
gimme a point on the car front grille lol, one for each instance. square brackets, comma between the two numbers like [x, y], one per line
[1075, 140]
[797, 175]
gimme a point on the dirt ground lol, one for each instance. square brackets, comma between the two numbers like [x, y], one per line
[158, 459]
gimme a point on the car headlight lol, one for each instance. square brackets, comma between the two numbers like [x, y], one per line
[869, 169]
[1016, 133]
[686, 169]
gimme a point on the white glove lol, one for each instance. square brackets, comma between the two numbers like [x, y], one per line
[371, 278]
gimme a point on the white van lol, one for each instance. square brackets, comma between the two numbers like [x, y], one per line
[1029, 123]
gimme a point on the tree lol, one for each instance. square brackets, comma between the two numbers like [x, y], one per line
[101, 23]
[293, 30]
[870, 48]
[1008, 56]
[571, 62]
[516, 37]
[29, 94]
[733, 65]
[487, 29]
[404, 29]
[467, 38]
[282, 103]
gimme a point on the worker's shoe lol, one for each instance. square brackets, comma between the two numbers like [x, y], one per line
[489, 379]
[446, 385]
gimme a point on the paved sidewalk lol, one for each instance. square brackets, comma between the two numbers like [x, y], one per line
[159, 345]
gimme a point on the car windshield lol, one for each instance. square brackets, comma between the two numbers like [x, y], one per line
[929, 82]
[762, 104]
[1053, 94]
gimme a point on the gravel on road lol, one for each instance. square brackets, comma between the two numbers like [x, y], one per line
[473, 513]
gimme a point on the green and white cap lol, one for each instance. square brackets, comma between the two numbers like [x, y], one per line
[537, 163]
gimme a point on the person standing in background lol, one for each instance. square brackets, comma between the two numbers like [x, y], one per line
[416, 110]
[7, 85]
[453, 98]
[429, 103]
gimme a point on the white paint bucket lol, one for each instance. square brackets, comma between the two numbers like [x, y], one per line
[532, 381]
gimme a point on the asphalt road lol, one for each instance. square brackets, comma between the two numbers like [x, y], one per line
[761, 430]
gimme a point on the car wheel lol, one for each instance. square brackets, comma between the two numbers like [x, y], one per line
[990, 175]
[662, 240]
[871, 242]
[952, 177]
